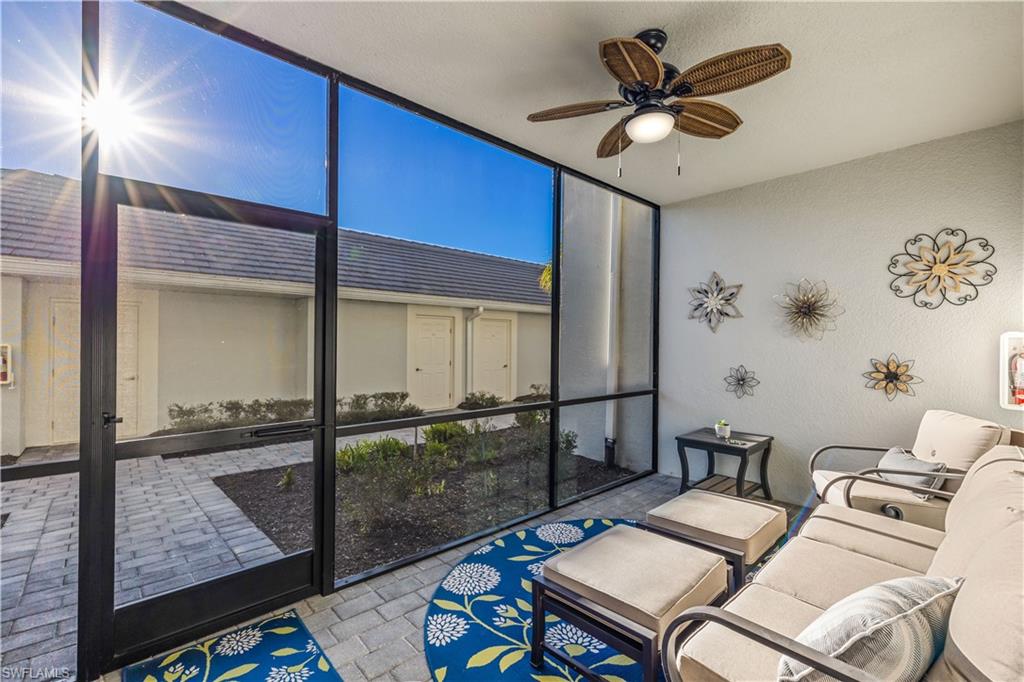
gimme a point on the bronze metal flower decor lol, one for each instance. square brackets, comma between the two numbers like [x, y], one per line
[714, 301]
[892, 376]
[946, 267]
[809, 308]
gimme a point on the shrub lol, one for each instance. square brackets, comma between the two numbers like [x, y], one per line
[287, 480]
[448, 432]
[538, 393]
[362, 408]
[568, 441]
[531, 419]
[360, 456]
[479, 400]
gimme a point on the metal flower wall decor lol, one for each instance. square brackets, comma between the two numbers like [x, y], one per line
[946, 267]
[714, 301]
[892, 376]
[741, 381]
[809, 308]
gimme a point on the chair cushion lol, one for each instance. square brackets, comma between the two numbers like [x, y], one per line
[898, 458]
[956, 439]
[986, 626]
[871, 497]
[880, 537]
[716, 653]
[989, 468]
[643, 576]
[821, 574]
[892, 630]
[747, 526]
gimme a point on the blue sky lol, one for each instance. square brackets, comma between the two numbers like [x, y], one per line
[212, 115]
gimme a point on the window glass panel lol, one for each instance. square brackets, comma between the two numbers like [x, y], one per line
[185, 518]
[215, 324]
[183, 107]
[602, 442]
[607, 282]
[404, 491]
[442, 246]
[40, 240]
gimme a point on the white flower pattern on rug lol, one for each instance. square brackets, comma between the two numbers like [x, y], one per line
[484, 550]
[536, 568]
[239, 642]
[469, 579]
[559, 533]
[444, 628]
[562, 635]
[287, 674]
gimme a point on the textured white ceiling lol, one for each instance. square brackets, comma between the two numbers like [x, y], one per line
[866, 78]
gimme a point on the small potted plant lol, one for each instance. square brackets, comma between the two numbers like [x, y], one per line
[722, 429]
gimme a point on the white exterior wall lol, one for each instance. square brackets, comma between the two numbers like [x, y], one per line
[371, 347]
[841, 224]
[534, 351]
[12, 436]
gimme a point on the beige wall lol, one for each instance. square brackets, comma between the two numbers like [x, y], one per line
[12, 436]
[533, 351]
[371, 347]
[841, 224]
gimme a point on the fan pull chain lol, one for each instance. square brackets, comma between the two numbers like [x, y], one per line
[679, 165]
[620, 154]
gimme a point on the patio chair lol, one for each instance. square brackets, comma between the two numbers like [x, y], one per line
[954, 439]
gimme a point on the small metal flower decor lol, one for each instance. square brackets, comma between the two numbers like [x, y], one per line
[892, 376]
[809, 308]
[741, 381]
[946, 267]
[714, 301]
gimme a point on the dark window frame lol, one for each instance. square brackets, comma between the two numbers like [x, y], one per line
[99, 287]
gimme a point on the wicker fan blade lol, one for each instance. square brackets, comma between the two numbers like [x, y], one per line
[580, 109]
[734, 70]
[703, 118]
[631, 62]
[613, 141]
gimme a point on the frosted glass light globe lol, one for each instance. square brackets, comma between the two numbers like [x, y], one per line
[650, 126]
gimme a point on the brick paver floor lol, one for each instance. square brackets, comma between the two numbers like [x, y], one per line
[374, 630]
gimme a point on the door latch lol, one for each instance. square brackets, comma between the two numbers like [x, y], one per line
[109, 419]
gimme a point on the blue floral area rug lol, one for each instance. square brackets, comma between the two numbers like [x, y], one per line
[278, 649]
[478, 623]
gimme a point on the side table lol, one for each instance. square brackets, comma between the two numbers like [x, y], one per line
[739, 444]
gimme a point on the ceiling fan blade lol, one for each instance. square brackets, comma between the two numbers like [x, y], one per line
[703, 118]
[631, 62]
[733, 70]
[614, 141]
[579, 109]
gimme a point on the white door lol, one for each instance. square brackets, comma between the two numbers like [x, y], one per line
[492, 357]
[65, 357]
[431, 356]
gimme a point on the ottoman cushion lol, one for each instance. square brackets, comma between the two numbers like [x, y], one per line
[648, 578]
[744, 525]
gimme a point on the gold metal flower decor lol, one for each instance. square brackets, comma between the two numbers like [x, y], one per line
[892, 376]
[809, 308]
[946, 267]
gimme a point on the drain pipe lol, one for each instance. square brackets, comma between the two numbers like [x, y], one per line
[477, 312]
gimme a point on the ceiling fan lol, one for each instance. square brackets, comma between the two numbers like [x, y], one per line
[646, 83]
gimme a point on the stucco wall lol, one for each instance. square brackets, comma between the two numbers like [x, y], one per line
[841, 224]
[216, 346]
[533, 352]
[371, 347]
[12, 439]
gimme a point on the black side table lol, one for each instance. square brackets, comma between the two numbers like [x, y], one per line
[739, 444]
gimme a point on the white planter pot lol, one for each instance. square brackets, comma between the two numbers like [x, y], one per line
[723, 431]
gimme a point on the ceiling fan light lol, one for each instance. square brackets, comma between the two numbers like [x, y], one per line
[650, 126]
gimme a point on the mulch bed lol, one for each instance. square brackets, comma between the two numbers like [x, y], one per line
[475, 497]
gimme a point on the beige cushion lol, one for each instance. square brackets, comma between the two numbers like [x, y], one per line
[986, 626]
[871, 497]
[956, 439]
[643, 576]
[821, 574]
[715, 653]
[988, 469]
[880, 537]
[993, 501]
[747, 526]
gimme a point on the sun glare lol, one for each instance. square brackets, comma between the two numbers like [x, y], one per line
[114, 118]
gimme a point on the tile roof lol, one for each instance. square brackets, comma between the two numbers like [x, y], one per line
[39, 219]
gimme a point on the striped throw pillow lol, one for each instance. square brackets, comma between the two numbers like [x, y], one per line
[893, 630]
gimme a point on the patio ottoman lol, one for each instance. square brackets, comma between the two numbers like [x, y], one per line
[625, 586]
[743, 525]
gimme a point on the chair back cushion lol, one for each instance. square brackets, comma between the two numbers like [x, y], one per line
[985, 640]
[956, 439]
[892, 630]
[899, 458]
